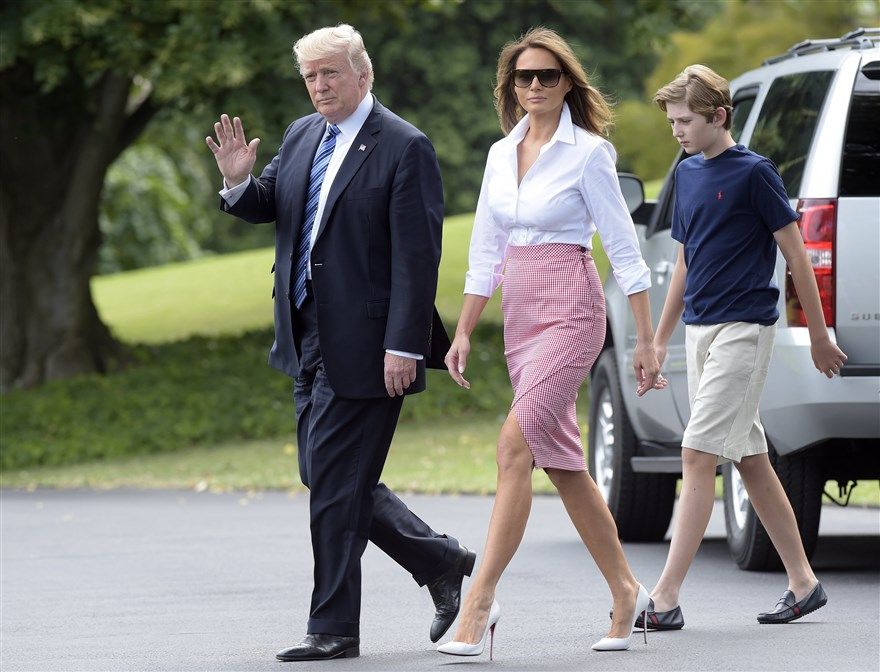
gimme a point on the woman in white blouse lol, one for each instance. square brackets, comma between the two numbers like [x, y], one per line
[548, 187]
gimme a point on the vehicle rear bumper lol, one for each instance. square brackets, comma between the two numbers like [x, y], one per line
[801, 407]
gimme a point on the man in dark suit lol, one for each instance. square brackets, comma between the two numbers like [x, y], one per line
[357, 201]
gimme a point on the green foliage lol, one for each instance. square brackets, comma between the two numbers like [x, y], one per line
[203, 391]
[159, 205]
[189, 61]
[745, 33]
[644, 143]
[176, 395]
[438, 69]
[736, 39]
[177, 49]
[147, 216]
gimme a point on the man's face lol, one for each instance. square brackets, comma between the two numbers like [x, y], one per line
[334, 87]
[693, 132]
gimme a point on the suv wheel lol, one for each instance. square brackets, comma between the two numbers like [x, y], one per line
[747, 539]
[640, 503]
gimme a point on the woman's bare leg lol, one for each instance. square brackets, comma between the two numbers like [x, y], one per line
[513, 502]
[596, 527]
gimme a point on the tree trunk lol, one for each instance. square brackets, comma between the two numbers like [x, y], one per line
[56, 151]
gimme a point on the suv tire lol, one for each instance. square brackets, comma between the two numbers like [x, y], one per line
[747, 539]
[640, 503]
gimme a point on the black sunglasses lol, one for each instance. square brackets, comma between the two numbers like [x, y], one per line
[524, 78]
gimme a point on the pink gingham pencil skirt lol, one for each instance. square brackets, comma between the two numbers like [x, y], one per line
[554, 327]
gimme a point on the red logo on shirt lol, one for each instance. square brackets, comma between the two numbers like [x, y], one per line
[720, 196]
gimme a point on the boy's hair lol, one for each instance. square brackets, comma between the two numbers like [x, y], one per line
[703, 89]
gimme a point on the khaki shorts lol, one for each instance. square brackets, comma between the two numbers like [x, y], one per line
[727, 366]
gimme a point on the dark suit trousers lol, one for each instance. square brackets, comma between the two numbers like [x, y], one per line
[343, 444]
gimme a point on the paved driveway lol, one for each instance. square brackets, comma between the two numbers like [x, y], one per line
[128, 580]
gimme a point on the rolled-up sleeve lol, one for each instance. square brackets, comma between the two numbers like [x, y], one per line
[610, 215]
[488, 246]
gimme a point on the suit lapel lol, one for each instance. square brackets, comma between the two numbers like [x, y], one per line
[364, 143]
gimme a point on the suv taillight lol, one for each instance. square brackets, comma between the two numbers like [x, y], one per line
[817, 224]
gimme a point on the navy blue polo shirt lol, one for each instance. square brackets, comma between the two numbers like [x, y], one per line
[726, 211]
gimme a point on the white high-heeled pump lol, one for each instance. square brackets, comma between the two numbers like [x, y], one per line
[454, 648]
[622, 643]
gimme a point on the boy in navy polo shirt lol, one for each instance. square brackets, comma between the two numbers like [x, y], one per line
[731, 214]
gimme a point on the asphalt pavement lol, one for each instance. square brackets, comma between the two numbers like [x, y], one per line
[157, 580]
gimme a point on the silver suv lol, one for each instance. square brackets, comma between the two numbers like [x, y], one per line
[815, 111]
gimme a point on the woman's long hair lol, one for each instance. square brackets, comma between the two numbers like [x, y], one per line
[588, 106]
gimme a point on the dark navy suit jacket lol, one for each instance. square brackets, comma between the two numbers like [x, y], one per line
[374, 262]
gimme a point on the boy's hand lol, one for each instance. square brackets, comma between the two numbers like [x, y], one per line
[827, 357]
[660, 351]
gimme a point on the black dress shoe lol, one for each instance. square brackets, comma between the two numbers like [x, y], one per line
[660, 620]
[446, 592]
[787, 609]
[321, 647]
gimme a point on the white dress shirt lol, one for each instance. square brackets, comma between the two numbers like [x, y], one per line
[348, 130]
[567, 194]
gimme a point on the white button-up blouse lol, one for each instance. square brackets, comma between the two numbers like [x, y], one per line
[568, 193]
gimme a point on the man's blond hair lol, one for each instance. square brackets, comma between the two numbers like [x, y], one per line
[327, 42]
[701, 88]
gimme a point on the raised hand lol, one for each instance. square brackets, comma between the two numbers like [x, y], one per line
[235, 156]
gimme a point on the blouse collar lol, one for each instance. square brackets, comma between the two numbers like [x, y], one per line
[564, 131]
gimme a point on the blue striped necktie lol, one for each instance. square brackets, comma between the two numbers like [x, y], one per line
[316, 179]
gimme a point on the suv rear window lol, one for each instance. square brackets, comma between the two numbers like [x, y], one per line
[787, 121]
[743, 103]
[860, 172]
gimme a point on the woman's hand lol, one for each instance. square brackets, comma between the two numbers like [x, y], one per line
[647, 368]
[456, 359]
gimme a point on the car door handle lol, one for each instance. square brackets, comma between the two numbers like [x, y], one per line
[663, 269]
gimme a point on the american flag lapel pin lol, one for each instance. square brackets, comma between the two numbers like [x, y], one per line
[362, 148]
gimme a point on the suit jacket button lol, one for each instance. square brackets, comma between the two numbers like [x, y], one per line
[291, 256]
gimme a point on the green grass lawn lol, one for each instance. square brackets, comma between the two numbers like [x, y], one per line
[428, 458]
[432, 458]
[221, 295]
[231, 294]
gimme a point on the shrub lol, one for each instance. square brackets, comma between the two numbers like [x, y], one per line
[203, 390]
